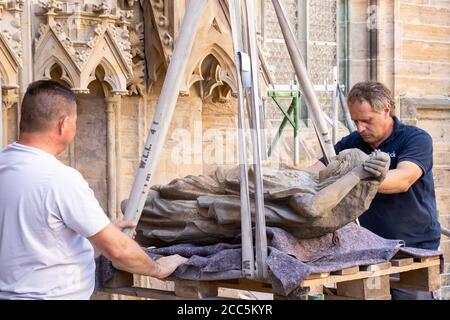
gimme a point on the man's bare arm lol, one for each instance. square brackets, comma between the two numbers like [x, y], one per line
[121, 224]
[400, 179]
[127, 255]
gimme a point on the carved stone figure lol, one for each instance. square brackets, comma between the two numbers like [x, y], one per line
[206, 209]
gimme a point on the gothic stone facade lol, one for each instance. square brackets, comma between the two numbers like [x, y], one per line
[115, 60]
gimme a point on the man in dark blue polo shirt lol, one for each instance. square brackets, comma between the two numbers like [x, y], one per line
[405, 206]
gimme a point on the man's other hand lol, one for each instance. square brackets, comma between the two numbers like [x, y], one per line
[124, 224]
[167, 265]
[378, 164]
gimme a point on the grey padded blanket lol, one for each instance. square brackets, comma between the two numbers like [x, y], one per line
[290, 260]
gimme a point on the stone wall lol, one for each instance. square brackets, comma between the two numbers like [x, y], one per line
[414, 61]
[98, 49]
[358, 48]
[433, 115]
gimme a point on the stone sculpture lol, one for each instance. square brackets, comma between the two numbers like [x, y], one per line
[206, 209]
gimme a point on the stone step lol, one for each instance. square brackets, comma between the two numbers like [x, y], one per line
[441, 152]
[445, 279]
[443, 200]
[445, 248]
[444, 219]
[444, 293]
[441, 174]
[437, 128]
[446, 267]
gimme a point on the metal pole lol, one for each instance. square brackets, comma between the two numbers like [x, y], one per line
[264, 68]
[286, 114]
[338, 53]
[296, 129]
[164, 111]
[348, 119]
[346, 46]
[373, 39]
[260, 219]
[334, 106]
[1, 116]
[281, 128]
[306, 86]
[445, 231]
[262, 131]
[248, 260]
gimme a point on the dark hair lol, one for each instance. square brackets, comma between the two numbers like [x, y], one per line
[375, 93]
[45, 102]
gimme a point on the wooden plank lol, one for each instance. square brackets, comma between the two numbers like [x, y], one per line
[195, 289]
[152, 293]
[315, 290]
[346, 271]
[337, 297]
[386, 297]
[120, 279]
[401, 255]
[245, 284]
[297, 294]
[317, 275]
[331, 294]
[365, 289]
[144, 293]
[426, 259]
[376, 267]
[402, 262]
[125, 280]
[365, 274]
[423, 279]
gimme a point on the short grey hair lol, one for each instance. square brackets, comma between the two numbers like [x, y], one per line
[375, 93]
[45, 101]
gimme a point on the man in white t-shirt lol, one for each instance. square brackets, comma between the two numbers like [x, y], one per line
[49, 217]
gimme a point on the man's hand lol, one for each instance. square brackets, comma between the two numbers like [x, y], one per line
[378, 164]
[126, 254]
[167, 265]
[124, 224]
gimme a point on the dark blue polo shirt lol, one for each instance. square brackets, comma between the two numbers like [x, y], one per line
[410, 216]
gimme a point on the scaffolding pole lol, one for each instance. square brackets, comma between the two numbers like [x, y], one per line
[348, 119]
[254, 103]
[2, 145]
[305, 83]
[164, 111]
[334, 106]
[290, 92]
[248, 261]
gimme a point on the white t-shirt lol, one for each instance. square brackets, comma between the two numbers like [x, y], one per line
[47, 211]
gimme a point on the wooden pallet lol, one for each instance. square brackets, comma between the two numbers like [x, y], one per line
[372, 282]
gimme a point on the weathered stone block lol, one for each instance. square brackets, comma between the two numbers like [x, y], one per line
[359, 11]
[412, 68]
[445, 279]
[444, 220]
[425, 50]
[443, 200]
[441, 174]
[425, 32]
[441, 70]
[424, 15]
[440, 3]
[445, 248]
[417, 87]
